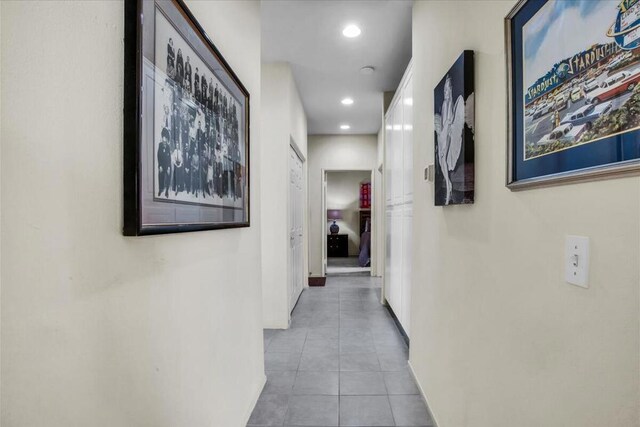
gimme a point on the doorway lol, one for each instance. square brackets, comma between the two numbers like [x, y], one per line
[347, 209]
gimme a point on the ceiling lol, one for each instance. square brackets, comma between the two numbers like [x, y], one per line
[326, 65]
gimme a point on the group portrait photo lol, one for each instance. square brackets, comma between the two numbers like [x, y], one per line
[198, 146]
[186, 125]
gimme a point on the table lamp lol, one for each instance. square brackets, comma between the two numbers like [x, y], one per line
[334, 215]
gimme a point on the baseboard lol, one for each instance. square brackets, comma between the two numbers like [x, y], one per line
[254, 399]
[424, 396]
[276, 326]
[403, 333]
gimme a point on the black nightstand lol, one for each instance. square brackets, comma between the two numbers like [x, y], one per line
[337, 245]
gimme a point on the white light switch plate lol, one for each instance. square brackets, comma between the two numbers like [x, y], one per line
[429, 173]
[576, 254]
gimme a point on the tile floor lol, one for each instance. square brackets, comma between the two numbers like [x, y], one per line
[348, 265]
[342, 363]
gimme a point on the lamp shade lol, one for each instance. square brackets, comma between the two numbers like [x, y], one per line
[334, 214]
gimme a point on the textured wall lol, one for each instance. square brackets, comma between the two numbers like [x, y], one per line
[498, 338]
[283, 120]
[99, 329]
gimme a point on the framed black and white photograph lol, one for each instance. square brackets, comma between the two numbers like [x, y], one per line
[573, 70]
[454, 127]
[186, 126]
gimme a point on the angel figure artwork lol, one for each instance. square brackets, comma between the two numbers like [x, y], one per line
[454, 128]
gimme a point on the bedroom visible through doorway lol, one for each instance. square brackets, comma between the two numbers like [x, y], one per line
[348, 202]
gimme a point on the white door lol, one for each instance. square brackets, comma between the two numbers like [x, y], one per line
[388, 158]
[387, 254]
[397, 181]
[295, 228]
[407, 140]
[407, 239]
[407, 212]
[395, 291]
[399, 202]
[388, 198]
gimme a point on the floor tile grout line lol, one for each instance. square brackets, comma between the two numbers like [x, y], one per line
[393, 417]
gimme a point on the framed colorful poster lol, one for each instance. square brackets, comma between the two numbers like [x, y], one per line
[573, 72]
[186, 126]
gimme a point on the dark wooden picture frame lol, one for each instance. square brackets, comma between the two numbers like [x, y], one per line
[223, 142]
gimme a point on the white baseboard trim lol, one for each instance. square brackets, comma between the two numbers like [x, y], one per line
[254, 400]
[276, 326]
[424, 396]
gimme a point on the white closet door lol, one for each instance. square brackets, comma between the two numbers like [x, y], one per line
[395, 292]
[295, 228]
[399, 201]
[388, 255]
[388, 197]
[407, 141]
[397, 179]
[407, 240]
[388, 159]
[299, 228]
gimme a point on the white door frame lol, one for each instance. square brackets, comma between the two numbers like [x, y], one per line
[323, 205]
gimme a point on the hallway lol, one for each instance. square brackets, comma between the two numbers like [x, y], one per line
[342, 362]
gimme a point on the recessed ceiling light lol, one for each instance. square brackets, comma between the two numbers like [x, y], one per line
[351, 31]
[347, 101]
[345, 127]
[408, 101]
[368, 70]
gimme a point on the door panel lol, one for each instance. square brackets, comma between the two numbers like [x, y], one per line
[407, 141]
[295, 218]
[387, 256]
[388, 158]
[395, 293]
[407, 225]
[398, 159]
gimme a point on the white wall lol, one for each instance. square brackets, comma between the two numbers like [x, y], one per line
[332, 152]
[283, 120]
[343, 192]
[99, 329]
[498, 338]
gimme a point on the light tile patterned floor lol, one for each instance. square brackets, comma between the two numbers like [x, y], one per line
[343, 362]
